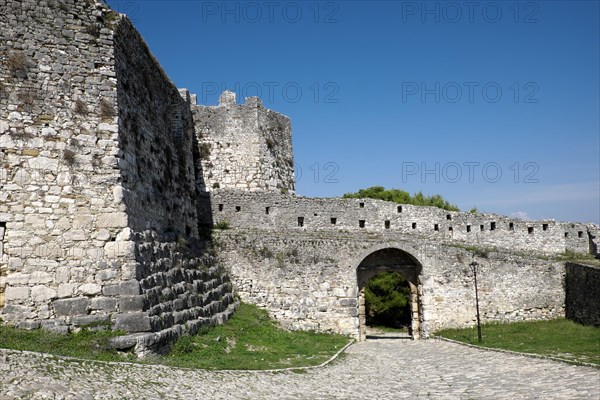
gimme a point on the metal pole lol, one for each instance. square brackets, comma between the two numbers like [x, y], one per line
[474, 266]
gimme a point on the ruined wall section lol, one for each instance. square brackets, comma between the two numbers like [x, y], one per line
[279, 212]
[582, 298]
[244, 146]
[58, 161]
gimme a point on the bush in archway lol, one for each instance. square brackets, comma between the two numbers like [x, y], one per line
[387, 300]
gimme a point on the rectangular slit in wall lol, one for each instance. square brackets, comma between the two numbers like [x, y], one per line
[580, 234]
[220, 207]
[511, 226]
[238, 208]
[566, 234]
[267, 209]
[300, 221]
[450, 229]
[468, 228]
[361, 223]
[333, 221]
[399, 209]
[414, 225]
[492, 226]
[361, 205]
[436, 227]
[448, 217]
[545, 227]
[481, 228]
[530, 229]
[386, 224]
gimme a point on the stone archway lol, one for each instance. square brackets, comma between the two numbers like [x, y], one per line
[390, 259]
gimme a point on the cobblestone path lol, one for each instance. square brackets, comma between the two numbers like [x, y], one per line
[376, 369]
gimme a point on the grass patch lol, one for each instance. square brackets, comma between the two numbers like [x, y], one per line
[87, 344]
[250, 340]
[558, 338]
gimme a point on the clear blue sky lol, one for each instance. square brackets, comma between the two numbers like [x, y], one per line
[493, 104]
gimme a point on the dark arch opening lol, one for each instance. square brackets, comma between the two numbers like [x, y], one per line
[391, 260]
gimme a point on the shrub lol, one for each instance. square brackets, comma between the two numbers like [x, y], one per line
[204, 151]
[107, 110]
[80, 107]
[222, 225]
[387, 300]
[17, 63]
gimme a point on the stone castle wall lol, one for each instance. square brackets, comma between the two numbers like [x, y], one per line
[244, 146]
[310, 280]
[99, 177]
[275, 211]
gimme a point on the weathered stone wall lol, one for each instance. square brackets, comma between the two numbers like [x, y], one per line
[99, 173]
[58, 140]
[583, 294]
[244, 146]
[275, 211]
[308, 280]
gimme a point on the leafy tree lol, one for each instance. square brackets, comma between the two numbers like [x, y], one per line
[387, 300]
[402, 197]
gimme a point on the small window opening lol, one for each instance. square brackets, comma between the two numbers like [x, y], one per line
[386, 224]
[545, 227]
[361, 205]
[267, 209]
[436, 227]
[399, 209]
[468, 228]
[361, 223]
[300, 221]
[450, 229]
[580, 234]
[481, 228]
[448, 217]
[530, 229]
[238, 208]
[414, 225]
[220, 207]
[333, 221]
[492, 226]
[566, 234]
[511, 226]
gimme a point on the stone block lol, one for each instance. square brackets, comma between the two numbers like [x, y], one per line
[119, 249]
[90, 289]
[132, 322]
[111, 290]
[66, 289]
[107, 304]
[18, 279]
[70, 307]
[112, 220]
[80, 320]
[18, 293]
[132, 303]
[129, 288]
[40, 278]
[41, 294]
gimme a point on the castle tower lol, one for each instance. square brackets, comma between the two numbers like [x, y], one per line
[244, 146]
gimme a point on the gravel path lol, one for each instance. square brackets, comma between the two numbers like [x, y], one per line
[376, 369]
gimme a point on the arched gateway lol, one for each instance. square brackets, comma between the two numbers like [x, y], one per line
[390, 259]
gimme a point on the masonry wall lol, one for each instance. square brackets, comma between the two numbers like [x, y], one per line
[244, 146]
[308, 280]
[275, 211]
[99, 190]
[582, 289]
[58, 141]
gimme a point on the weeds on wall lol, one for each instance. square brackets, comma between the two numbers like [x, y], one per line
[107, 110]
[80, 107]
[17, 64]
[69, 157]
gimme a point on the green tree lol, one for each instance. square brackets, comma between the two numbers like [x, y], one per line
[402, 197]
[387, 300]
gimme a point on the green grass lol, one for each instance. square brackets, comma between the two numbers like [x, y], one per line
[559, 338]
[249, 340]
[88, 344]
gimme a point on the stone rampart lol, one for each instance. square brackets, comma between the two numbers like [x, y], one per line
[582, 289]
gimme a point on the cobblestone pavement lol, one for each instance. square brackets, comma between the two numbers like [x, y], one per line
[376, 369]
